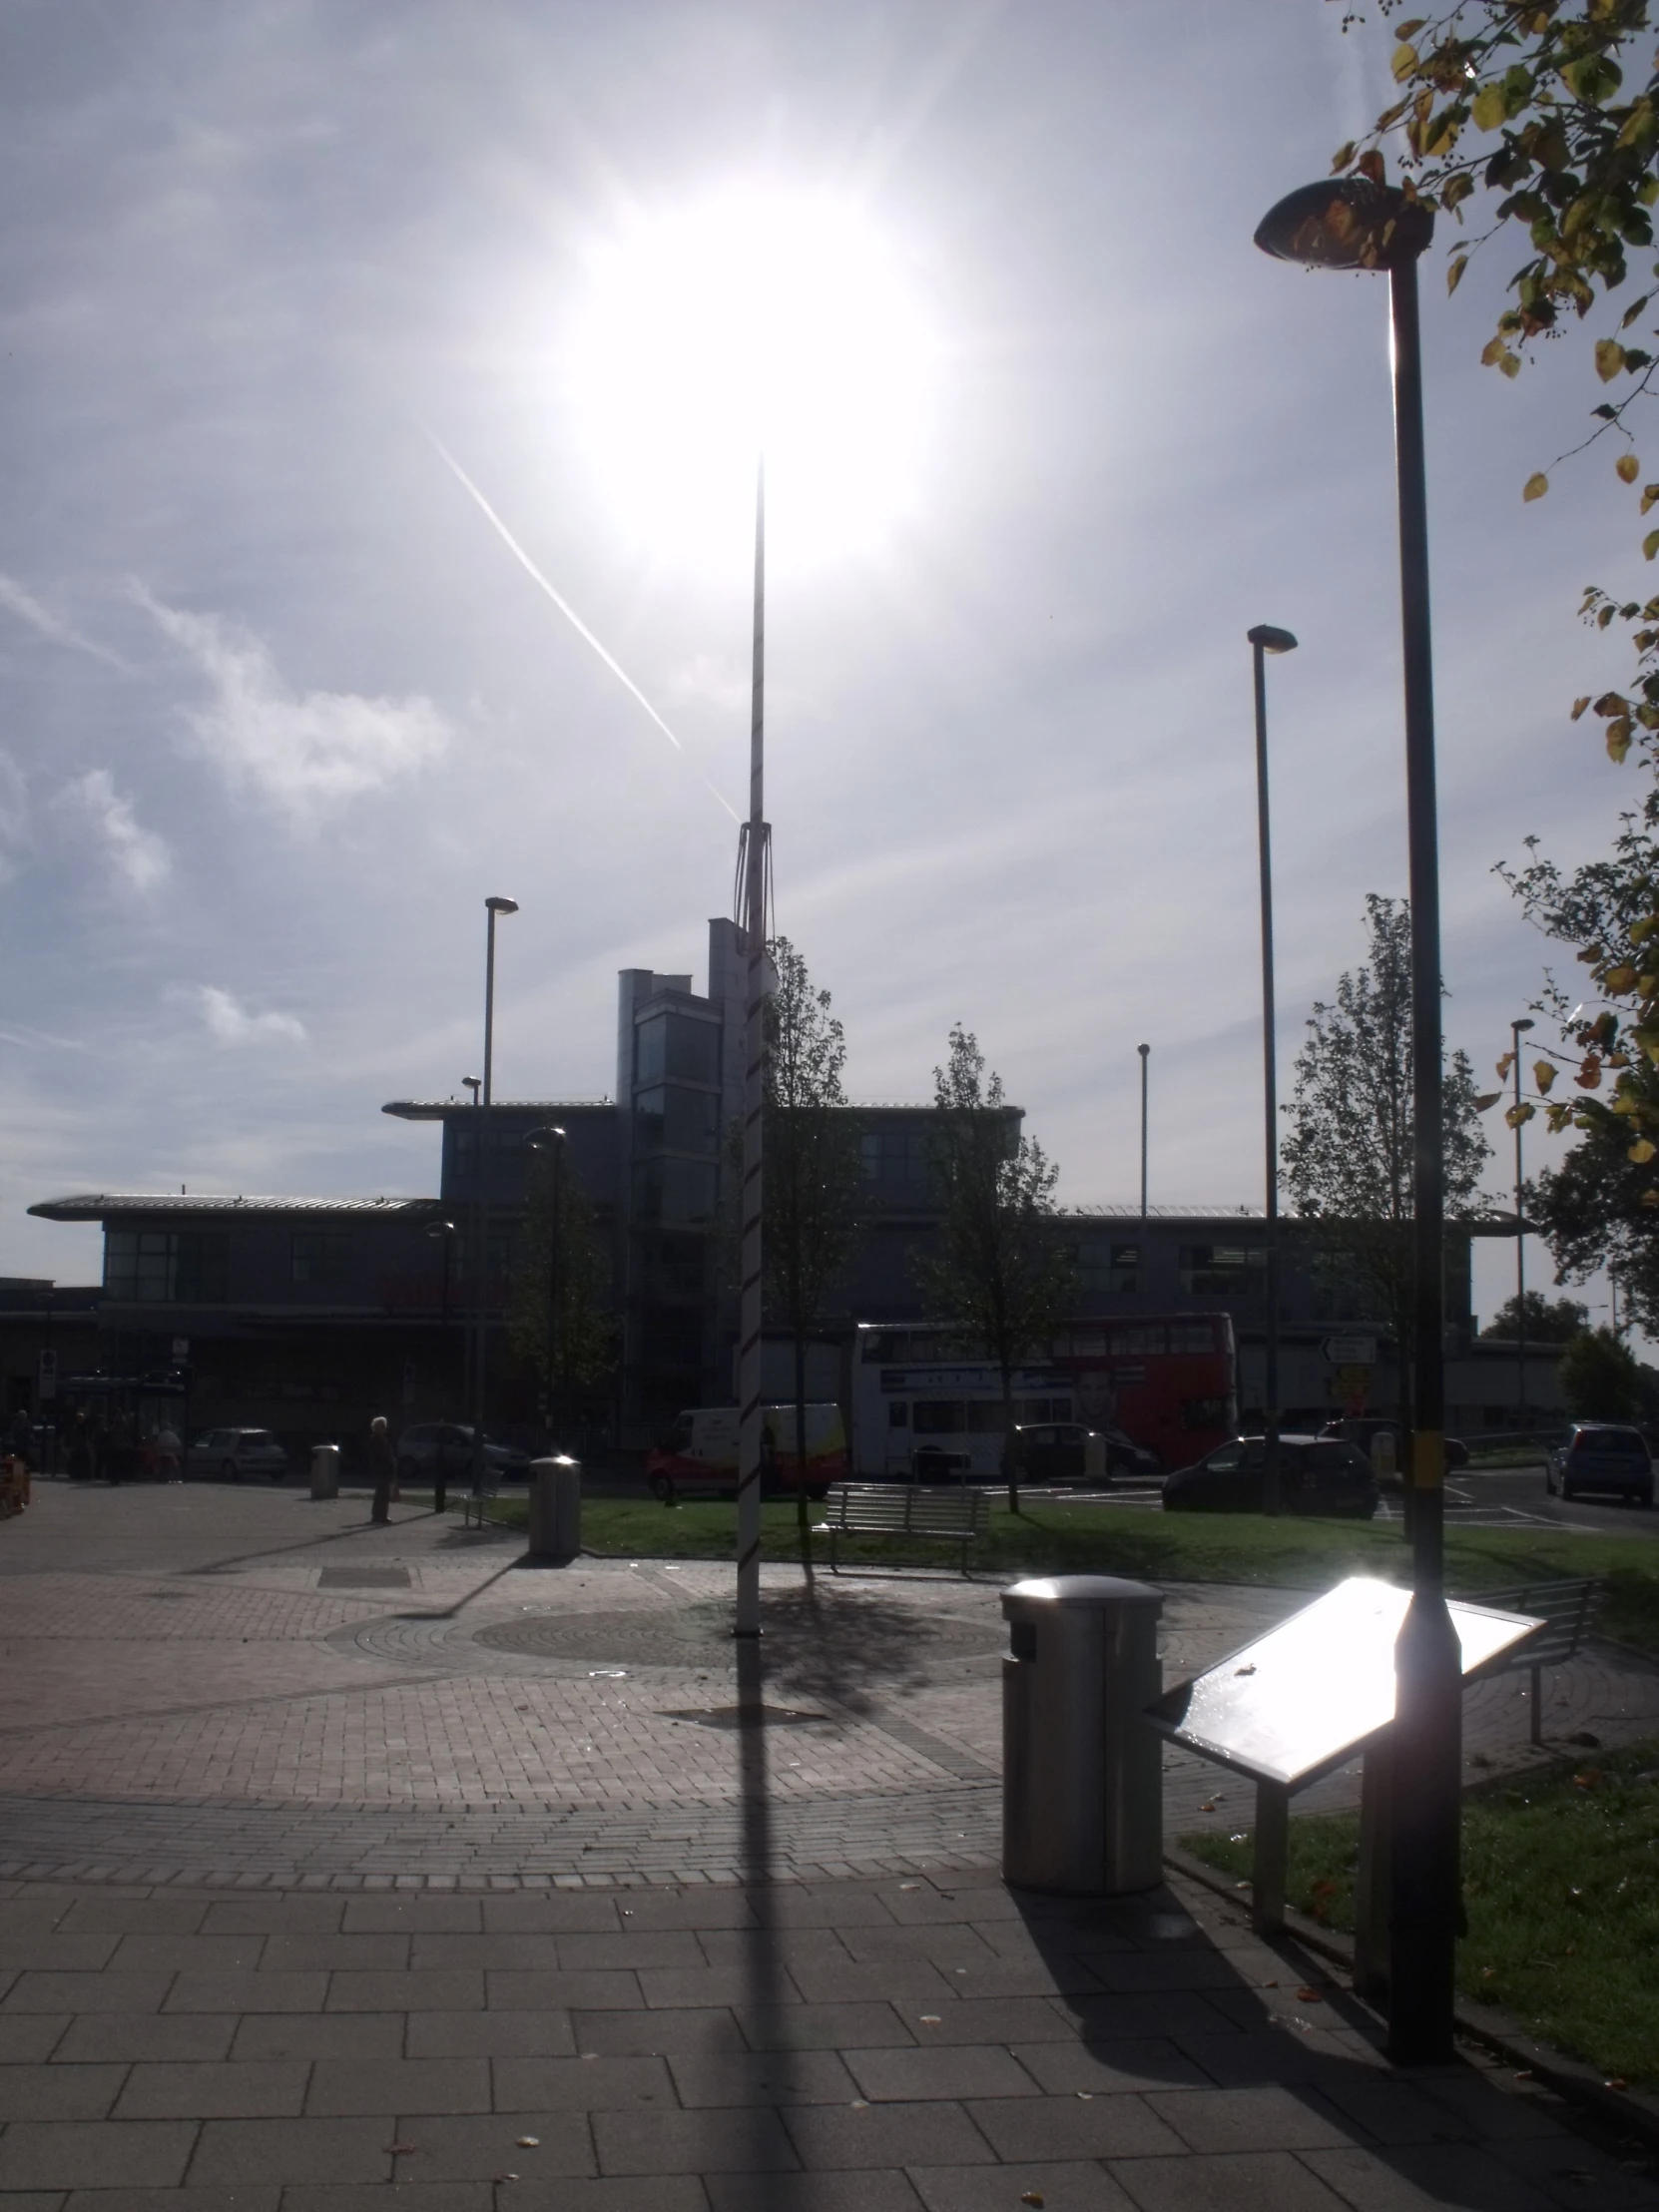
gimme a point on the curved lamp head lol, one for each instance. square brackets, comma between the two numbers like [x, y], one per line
[1143, 1051]
[1345, 222]
[1271, 640]
[544, 1140]
[474, 1084]
[441, 1229]
[1525, 1022]
[502, 906]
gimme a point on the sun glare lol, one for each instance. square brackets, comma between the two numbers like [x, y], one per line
[749, 322]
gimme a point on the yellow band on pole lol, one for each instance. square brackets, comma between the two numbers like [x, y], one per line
[1427, 1460]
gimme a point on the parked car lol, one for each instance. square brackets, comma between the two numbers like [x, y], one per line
[230, 1453]
[1364, 1430]
[1317, 1475]
[1601, 1456]
[1057, 1452]
[428, 1444]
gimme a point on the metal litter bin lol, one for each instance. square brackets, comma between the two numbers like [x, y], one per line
[325, 1470]
[556, 1507]
[1082, 1771]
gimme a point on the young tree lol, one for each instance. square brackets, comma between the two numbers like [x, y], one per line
[1600, 1377]
[1348, 1161]
[813, 1172]
[1004, 1274]
[585, 1346]
[1549, 1321]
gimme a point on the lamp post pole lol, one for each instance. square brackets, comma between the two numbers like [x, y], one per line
[481, 1165]
[1263, 639]
[750, 1417]
[1145, 1052]
[1352, 222]
[1517, 1030]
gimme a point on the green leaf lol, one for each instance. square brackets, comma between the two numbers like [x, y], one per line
[1455, 275]
[1609, 359]
[1650, 545]
[1536, 485]
[1489, 108]
[1405, 60]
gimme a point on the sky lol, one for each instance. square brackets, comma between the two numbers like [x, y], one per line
[280, 705]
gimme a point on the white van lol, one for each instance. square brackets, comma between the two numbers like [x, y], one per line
[699, 1457]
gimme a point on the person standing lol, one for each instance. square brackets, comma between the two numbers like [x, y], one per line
[382, 1466]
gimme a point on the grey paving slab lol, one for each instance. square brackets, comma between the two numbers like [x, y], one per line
[1260, 2181]
[99, 2036]
[633, 1949]
[61, 1951]
[249, 2198]
[927, 2134]
[747, 1947]
[682, 1988]
[692, 2142]
[1180, 2014]
[400, 2196]
[245, 1992]
[464, 2149]
[174, 1954]
[1266, 2118]
[645, 2034]
[1390, 2110]
[986, 2020]
[827, 1981]
[1487, 2104]
[600, 1990]
[201, 2090]
[291, 2150]
[289, 1912]
[59, 2092]
[324, 2036]
[420, 1915]
[1577, 2173]
[1461, 2176]
[448, 1990]
[345, 2084]
[701, 1908]
[562, 1912]
[489, 2035]
[1070, 2068]
[823, 2191]
[592, 2085]
[1074, 2128]
[91, 1912]
[950, 2071]
[517, 1950]
[1081, 2185]
[869, 2024]
[336, 1951]
[100, 2154]
[37, 2200]
[611, 2193]
[762, 2077]
[26, 2038]
[1245, 2057]
[87, 1992]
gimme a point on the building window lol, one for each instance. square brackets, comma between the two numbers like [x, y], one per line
[676, 1266]
[317, 1256]
[166, 1267]
[673, 1119]
[678, 1192]
[677, 1048]
[1108, 1269]
[899, 1158]
[1223, 1270]
[673, 1336]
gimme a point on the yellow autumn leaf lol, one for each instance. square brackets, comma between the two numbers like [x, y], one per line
[1504, 1066]
[1618, 741]
[1628, 467]
[1489, 107]
[1543, 1074]
[1609, 359]
[1536, 485]
[1517, 1114]
[1619, 978]
[1454, 272]
[1402, 62]
[1579, 705]
[1643, 1150]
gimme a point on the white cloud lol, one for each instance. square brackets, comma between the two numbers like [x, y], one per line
[229, 1022]
[14, 807]
[708, 680]
[309, 751]
[137, 853]
[40, 616]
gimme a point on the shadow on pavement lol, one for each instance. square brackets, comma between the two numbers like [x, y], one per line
[855, 1650]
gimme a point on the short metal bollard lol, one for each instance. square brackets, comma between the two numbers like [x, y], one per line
[555, 1507]
[325, 1470]
[1082, 1781]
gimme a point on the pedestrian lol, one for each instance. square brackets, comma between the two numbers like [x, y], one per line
[167, 1454]
[382, 1468]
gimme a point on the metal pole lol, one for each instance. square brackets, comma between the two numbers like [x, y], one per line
[1270, 1095]
[1516, 1029]
[481, 1165]
[1145, 1052]
[1428, 1664]
[753, 922]
[554, 1287]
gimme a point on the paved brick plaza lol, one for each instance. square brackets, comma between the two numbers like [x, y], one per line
[338, 1860]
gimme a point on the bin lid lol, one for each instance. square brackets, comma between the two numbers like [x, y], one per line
[1100, 1592]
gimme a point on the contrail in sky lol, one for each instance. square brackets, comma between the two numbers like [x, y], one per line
[564, 606]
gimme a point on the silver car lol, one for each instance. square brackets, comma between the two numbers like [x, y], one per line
[230, 1453]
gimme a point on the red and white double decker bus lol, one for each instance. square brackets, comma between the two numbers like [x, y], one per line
[1168, 1381]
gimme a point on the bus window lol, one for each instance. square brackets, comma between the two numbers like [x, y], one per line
[1141, 1337]
[937, 1416]
[878, 1345]
[1204, 1412]
[1191, 1336]
[898, 1413]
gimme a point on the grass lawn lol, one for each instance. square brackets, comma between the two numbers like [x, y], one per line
[1562, 1884]
[1156, 1547]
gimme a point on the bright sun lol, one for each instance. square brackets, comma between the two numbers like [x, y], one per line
[746, 322]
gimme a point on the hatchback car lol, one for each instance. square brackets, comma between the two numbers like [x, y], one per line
[1317, 1475]
[429, 1445]
[1364, 1430]
[1601, 1456]
[1057, 1452]
[230, 1453]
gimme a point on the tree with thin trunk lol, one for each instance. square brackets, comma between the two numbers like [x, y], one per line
[811, 1141]
[585, 1350]
[1349, 1159]
[1004, 1274]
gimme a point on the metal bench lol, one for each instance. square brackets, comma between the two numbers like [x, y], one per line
[1567, 1606]
[955, 1516]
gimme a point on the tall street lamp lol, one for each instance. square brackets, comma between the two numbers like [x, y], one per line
[552, 1140]
[753, 860]
[1263, 639]
[1352, 222]
[481, 1169]
[1517, 1030]
[444, 1229]
[1145, 1052]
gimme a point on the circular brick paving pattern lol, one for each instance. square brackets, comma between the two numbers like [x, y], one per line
[700, 1636]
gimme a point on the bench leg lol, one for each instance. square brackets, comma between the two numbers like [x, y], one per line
[1538, 1705]
[1371, 1882]
[1273, 1850]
